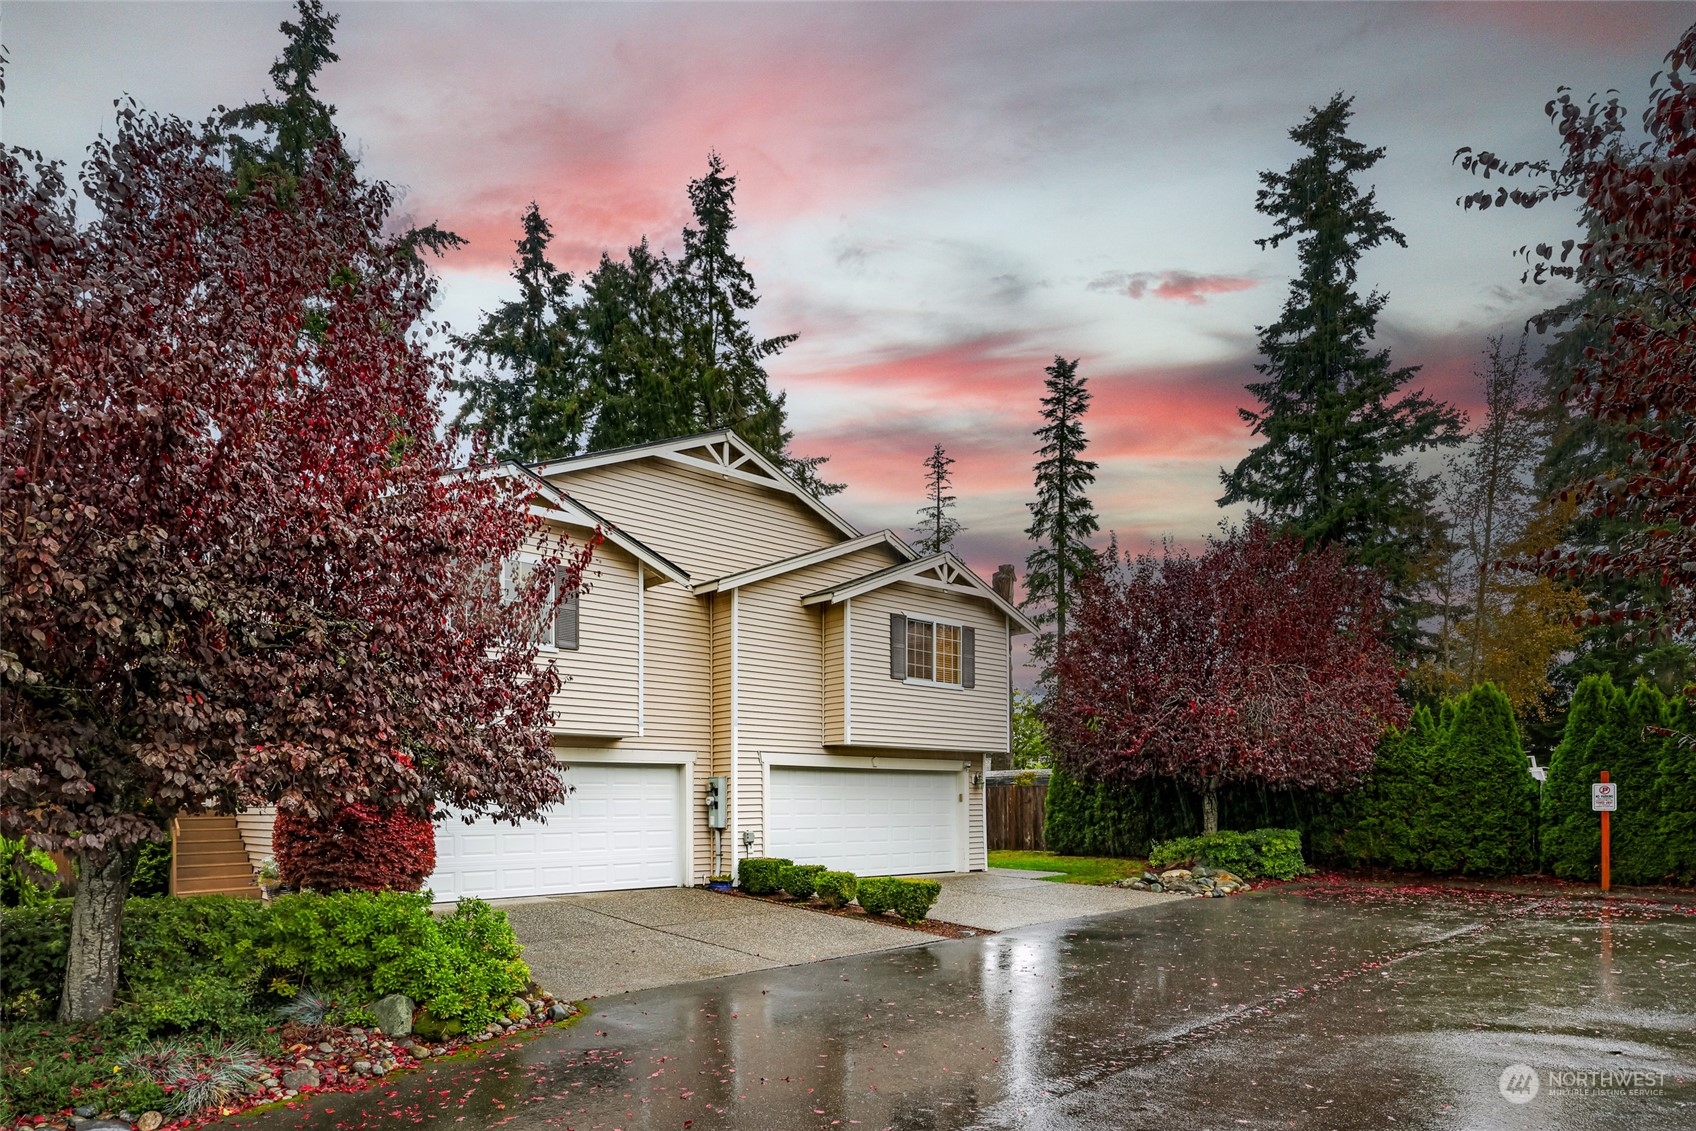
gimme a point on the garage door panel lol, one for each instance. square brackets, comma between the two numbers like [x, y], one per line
[872, 822]
[620, 826]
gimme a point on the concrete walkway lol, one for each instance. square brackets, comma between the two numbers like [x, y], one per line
[615, 942]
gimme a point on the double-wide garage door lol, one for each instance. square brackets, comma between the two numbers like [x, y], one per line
[620, 826]
[870, 822]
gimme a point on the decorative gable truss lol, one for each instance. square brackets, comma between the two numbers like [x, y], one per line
[940, 571]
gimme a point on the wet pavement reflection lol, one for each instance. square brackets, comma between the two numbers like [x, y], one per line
[1311, 1006]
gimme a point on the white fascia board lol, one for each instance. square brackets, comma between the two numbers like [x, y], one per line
[907, 572]
[802, 561]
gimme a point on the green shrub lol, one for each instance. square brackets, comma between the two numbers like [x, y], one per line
[26, 875]
[1092, 819]
[837, 889]
[462, 967]
[876, 894]
[913, 899]
[800, 880]
[168, 939]
[1477, 815]
[761, 875]
[33, 943]
[1571, 834]
[1260, 853]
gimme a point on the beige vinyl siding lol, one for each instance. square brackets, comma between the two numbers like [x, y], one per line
[256, 826]
[707, 524]
[977, 831]
[889, 712]
[781, 703]
[835, 686]
[598, 693]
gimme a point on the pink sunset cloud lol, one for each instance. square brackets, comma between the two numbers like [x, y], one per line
[1173, 286]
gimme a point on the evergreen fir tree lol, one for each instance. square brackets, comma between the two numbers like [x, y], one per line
[1483, 799]
[295, 120]
[630, 343]
[714, 293]
[1336, 430]
[1062, 517]
[937, 532]
[529, 397]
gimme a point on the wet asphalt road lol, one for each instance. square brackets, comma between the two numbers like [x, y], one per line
[1326, 1006]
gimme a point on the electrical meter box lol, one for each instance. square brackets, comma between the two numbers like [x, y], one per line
[718, 791]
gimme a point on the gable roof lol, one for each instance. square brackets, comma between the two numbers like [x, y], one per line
[574, 511]
[939, 571]
[736, 580]
[722, 453]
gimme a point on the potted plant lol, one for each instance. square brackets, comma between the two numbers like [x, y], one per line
[718, 883]
[270, 879]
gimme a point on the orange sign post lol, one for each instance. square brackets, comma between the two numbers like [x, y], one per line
[1610, 798]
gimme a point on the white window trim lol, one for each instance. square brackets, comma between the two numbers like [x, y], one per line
[926, 618]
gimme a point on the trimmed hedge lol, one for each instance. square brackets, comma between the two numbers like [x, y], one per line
[800, 880]
[1259, 853]
[876, 894]
[761, 875]
[1451, 794]
[910, 899]
[1654, 829]
[837, 889]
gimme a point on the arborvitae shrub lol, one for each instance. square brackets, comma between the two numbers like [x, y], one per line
[1571, 834]
[1481, 813]
[1676, 788]
[1640, 854]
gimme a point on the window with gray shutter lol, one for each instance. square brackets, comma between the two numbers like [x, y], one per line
[897, 646]
[565, 616]
[968, 657]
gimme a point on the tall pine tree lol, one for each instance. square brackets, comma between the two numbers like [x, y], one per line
[715, 291]
[1337, 433]
[529, 395]
[936, 533]
[1062, 517]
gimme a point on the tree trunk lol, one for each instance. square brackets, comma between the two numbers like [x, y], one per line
[1210, 805]
[97, 914]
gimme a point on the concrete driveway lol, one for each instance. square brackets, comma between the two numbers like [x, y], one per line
[616, 942]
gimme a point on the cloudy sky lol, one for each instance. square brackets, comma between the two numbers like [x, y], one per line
[937, 198]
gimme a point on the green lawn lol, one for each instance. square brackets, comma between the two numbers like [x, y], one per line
[1075, 869]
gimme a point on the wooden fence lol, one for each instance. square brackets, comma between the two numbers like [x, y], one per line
[1014, 813]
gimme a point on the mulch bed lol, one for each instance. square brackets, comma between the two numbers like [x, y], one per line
[936, 927]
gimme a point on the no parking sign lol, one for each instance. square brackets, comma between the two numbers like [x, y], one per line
[1604, 796]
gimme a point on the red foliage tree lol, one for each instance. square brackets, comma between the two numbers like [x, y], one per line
[1254, 662]
[235, 566]
[355, 848]
[1638, 202]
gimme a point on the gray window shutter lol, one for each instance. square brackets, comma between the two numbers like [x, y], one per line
[897, 646]
[565, 616]
[968, 657]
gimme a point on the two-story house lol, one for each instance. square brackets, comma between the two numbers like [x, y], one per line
[844, 692]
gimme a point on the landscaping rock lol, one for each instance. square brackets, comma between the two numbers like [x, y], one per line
[269, 1082]
[378, 1070]
[517, 1008]
[153, 1120]
[363, 1067]
[301, 1078]
[326, 1046]
[85, 1112]
[394, 1014]
[558, 1012]
[100, 1125]
[126, 1117]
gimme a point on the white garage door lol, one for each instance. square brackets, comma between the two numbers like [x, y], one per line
[620, 827]
[870, 822]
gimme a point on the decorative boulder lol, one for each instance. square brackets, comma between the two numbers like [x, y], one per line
[394, 1015]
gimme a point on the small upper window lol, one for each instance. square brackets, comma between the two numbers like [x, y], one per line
[563, 632]
[933, 651]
